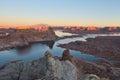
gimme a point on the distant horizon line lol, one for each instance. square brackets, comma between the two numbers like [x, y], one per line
[18, 25]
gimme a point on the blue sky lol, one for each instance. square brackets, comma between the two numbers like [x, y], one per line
[60, 12]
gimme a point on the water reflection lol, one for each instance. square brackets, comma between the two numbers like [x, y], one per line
[23, 50]
[37, 50]
[50, 44]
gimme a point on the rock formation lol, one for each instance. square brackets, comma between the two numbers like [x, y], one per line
[24, 37]
[61, 69]
[66, 56]
[50, 68]
[46, 68]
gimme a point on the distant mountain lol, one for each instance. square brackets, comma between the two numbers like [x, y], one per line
[41, 25]
[26, 26]
[5, 26]
[88, 29]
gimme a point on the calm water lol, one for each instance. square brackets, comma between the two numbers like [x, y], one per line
[37, 50]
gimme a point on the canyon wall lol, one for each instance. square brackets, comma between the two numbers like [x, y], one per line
[23, 37]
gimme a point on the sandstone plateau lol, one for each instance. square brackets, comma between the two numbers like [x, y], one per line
[22, 37]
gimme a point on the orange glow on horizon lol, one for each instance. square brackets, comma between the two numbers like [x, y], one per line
[15, 22]
[22, 27]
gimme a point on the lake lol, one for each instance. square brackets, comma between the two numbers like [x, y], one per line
[37, 50]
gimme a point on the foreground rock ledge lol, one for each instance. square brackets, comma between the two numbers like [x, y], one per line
[54, 68]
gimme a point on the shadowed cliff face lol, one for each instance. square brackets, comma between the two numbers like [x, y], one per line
[24, 37]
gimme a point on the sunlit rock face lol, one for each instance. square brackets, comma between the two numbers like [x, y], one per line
[41, 27]
[5, 27]
[22, 27]
[113, 28]
[91, 28]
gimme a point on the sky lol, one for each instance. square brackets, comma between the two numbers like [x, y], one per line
[60, 12]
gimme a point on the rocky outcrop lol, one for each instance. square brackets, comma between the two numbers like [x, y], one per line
[61, 69]
[103, 69]
[51, 68]
[24, 37]
[46, 68]
[66, 56]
